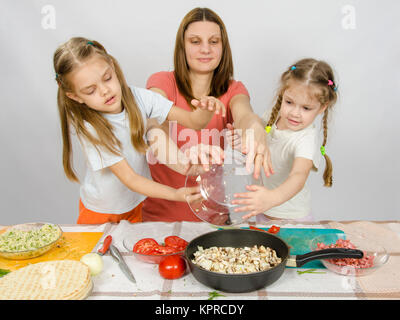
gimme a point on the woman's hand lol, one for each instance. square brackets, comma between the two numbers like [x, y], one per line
[256, 149]
[254, 137]
[205, 155]
[234, 137]
[211, 104]
[258, 200]
[197, 119]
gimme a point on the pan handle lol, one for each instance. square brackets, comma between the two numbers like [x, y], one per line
[332, 253]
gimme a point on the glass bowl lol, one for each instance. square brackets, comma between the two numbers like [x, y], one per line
[218, 186]
[33, 253]
[375, 256]
[130, 241]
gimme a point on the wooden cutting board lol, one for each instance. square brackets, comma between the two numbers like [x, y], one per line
[72, 246]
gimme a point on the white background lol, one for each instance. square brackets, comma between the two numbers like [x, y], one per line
[360, 39]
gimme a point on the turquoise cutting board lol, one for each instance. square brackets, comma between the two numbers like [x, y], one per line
[299, 239]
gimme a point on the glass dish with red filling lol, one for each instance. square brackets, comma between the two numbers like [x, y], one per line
[375, 255]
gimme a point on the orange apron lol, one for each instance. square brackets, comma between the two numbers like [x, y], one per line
[87, 216]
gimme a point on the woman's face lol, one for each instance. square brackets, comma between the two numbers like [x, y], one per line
[203, 46]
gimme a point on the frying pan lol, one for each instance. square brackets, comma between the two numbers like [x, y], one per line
[255, 280]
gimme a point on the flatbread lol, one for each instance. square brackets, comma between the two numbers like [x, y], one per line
[50, 280]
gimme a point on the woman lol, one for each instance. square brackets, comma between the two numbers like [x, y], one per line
[203, 67]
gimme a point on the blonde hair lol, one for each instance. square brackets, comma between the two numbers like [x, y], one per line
[223, 74]
[66, 59]
[319, 75]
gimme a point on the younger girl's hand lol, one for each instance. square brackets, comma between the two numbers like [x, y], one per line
[259, 200]
[210, 104]
[190, 194]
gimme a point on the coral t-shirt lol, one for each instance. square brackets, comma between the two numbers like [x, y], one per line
[169, 211]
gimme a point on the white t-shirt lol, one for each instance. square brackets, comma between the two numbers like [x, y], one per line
[101, 191]
[285, 146]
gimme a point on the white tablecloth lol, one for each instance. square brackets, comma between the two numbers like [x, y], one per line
[112, 283]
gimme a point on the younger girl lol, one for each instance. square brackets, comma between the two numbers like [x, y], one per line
[110, 121]
[307, 90]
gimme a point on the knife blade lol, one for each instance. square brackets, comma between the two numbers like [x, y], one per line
[122, 264]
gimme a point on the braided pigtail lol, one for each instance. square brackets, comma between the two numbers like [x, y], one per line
[277, 107]
[328, 167]
[275, 111]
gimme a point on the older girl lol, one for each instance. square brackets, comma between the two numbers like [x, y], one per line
[110, 120]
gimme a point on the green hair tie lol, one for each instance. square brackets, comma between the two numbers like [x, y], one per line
[322, 150]
[90, 42]
[268, 129]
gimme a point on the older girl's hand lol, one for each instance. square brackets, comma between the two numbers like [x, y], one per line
[211, 104]
[190, 194]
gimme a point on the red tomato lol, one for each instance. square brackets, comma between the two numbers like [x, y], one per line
[274, 229]
[175, 242]
[172, 267]
[163, 250]
[145, 246]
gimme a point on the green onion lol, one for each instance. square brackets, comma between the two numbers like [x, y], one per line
[309, 271]
[214, 294]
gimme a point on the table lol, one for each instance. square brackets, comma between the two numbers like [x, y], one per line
[112, 284]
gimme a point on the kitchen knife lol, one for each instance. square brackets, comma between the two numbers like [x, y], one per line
[122, 264]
